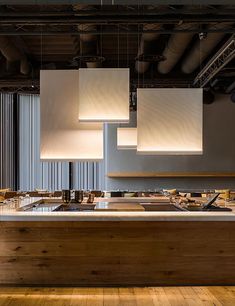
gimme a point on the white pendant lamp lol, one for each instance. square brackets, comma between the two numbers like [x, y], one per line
[170, 121]
[103, 95]
[127, 138]
[63, 138]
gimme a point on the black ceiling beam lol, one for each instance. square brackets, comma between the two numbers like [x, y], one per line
[153, 82]
[118, 2]
[219, 11]
[43, 32]
[116, 19]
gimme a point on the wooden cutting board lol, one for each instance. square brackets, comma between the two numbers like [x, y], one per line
[107, 206]
[158, 199]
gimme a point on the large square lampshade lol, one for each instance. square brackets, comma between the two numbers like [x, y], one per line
[170, 121]
[127, 138]
[63, 138]
[103, 94]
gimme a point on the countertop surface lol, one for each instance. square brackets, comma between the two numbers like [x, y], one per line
[11, 214]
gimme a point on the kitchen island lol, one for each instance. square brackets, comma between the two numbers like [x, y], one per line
[99, 248]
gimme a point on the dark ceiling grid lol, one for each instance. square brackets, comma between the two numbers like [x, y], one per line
[62, 27]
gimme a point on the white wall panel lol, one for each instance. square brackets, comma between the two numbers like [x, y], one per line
[104, 94]
[169, 121]
[62, 136]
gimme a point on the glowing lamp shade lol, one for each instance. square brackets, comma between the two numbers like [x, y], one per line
[170, 121]
[127, 138]
[103, 94]
[62, 137]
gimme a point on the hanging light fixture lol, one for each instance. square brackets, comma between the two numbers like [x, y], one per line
[63, 138]
[103, 95]
[169, 121]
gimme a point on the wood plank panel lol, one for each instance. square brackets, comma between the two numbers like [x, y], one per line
[118, 253]
[130, 248]
[151, 296]
[169, 174]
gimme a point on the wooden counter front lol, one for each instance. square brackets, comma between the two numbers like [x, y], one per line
[117, 253]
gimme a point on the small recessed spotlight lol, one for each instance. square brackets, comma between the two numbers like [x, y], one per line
[202, 35]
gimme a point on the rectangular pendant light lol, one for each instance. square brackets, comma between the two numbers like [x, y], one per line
[126, 138]
[103, 94]
[170, 121]
[63, 138]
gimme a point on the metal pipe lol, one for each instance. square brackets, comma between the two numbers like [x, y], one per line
[175, 48]
[88, 42]
[146, 40]
[12, 54]
[230, 88]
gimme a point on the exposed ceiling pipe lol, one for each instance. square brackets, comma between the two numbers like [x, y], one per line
[12, 54]
[231, 87]
[175, 48]
[145, 44]
[88, 42]
[202, 48]
[88, 28]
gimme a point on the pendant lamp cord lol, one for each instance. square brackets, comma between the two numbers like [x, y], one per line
[118, 48]
[200, 51]
[41, 44]
[138, 63]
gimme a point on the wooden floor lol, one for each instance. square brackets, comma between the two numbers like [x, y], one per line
[151, 296]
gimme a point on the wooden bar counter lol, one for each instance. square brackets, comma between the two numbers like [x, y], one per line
[117, 248]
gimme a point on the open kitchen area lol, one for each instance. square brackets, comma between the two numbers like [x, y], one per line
[117, 153]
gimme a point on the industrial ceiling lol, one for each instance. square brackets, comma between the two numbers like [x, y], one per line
[165, 45]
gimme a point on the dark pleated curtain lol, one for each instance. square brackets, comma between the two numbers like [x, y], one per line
[7, 147]
[48, 175]
[88, 175]
[33, 173]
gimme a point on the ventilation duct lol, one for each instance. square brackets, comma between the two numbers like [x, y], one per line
[145, 44]
[202, 48]
[12, 54]
[233, 97]
[88, 28]
[88, 42]
[231, 87]
[175, 48]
